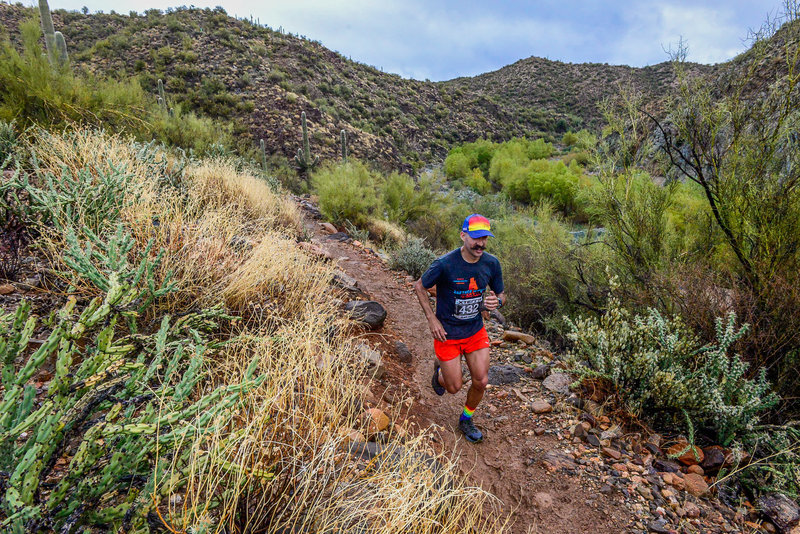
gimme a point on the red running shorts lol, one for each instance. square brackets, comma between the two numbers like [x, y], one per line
[453, 348]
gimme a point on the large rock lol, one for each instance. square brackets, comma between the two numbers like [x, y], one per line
[782, 511]
[557, 383]
[369, 312]
[511, 335]
[504, 374]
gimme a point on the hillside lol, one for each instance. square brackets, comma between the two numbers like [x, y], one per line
[262, 79]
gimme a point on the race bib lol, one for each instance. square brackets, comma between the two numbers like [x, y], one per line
[467, 308]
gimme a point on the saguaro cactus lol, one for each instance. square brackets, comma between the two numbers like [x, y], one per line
[263, 157]
[47, 28]
[303, 157]
[162, 96]
[344, 145]
[61, 48]
[54, 41]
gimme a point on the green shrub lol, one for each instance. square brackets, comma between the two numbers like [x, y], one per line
[477, 182]
[414, 257]
[663, 371]
[347, 191]
[548, 275]
[32, 92]
[405, 200]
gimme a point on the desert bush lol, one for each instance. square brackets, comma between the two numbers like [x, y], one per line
[347, 191]
[404, 200]
[477, 182]
[32, 92]
[664, 372]
[548, 274]
[414, 257]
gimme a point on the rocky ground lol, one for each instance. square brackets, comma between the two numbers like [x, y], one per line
[557, 458]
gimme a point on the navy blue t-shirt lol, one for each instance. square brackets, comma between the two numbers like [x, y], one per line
[459, 290]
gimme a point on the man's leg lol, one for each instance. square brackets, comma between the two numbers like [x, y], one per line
[478, 363]
[450, 376]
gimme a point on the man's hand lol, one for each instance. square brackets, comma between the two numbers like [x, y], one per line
[491, 302]
[437, 330]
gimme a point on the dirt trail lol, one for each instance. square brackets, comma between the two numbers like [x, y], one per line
[508, 463]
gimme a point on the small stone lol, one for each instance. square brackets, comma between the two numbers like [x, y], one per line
[538, 431]
[578, 431]
[695, 484]
[328, 228]
[377, 421]
[511, 335]
[714, 458]
[593, 440]
[612, 453]
[666, 466]
[541, 406]
[696, 469]
[373, 361]
[605, 489]
[540, 372]
[659, 525]
[645, 492]
[403, 353]
[7, 289]
[691, 510]
[557, 383]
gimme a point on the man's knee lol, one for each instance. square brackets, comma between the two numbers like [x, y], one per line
[480, 382]
[453, 387]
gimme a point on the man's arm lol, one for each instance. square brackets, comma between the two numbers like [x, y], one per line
[437, 330]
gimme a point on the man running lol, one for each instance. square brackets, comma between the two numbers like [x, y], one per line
[461, 277]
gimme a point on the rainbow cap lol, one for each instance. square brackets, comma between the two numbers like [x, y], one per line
[476, 226]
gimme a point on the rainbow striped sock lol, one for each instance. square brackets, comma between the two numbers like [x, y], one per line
[467, 413]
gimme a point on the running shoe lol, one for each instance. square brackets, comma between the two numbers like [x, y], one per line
[472, 434]
[437, 387]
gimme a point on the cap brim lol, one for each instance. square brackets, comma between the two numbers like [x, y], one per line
[479, 233]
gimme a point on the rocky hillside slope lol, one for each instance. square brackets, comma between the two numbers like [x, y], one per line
[262, 79]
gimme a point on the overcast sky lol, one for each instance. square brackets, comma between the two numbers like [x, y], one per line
[440, 40]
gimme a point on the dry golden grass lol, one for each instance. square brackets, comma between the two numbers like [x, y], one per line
[387, 233]
[284, 462]
[289, 461]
